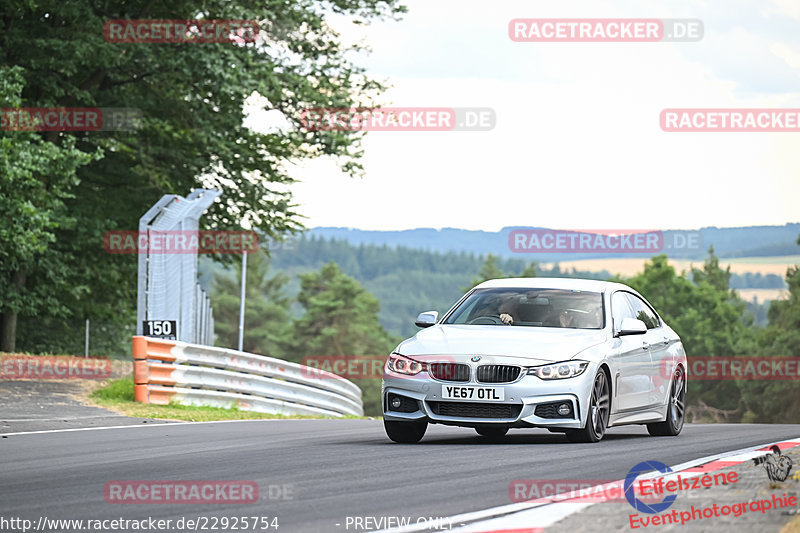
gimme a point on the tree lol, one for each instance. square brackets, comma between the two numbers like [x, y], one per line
[531, 271]
[712, 274]
[708, 319]
[192, 98]
[489, 270]
[36, 177]
[267, 321]
[775, 400]
[341, 319]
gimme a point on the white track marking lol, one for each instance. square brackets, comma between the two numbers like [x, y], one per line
[536, 514]
[158, 423]
[61, 418]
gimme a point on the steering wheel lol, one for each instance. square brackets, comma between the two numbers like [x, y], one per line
[486, 320]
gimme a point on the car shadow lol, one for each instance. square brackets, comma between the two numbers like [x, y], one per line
[519, 437]
[553, 438]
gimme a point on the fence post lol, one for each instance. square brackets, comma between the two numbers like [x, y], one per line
[86, 350]
[241, 301]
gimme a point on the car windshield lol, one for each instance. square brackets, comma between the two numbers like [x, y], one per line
[553, 308]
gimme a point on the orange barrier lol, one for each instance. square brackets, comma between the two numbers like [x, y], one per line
[150, 394]
[156, 373]
[148, 348]
[146, 373]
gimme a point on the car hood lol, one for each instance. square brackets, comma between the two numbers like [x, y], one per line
[527, 342]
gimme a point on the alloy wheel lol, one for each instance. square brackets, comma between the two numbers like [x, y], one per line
[677, 398]
[600, 404]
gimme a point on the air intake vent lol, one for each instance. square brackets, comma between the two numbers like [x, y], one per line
[475, 409]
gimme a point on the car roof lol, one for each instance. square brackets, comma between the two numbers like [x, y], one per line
[554, 283]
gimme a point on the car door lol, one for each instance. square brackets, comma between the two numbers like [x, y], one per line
[631, 353]
[659, 339]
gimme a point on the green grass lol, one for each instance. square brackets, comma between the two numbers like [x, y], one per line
[116, 390]
[117, 395]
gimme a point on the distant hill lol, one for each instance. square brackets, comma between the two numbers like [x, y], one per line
[408, 280]
[405, 281]
[751, 241]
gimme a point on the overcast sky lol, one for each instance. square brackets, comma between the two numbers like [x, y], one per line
[577, 142]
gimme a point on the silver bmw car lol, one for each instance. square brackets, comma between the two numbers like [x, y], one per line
[570, 355]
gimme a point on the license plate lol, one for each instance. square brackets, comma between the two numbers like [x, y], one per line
[475, 394]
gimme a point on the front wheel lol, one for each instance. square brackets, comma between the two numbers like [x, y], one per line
[405, 432]
[599, 409]
[675, 409]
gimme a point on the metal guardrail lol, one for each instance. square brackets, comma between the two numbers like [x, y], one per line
[171, 371]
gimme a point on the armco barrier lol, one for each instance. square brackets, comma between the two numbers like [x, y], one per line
[171, 371]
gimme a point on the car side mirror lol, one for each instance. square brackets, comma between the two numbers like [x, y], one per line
[631, 326]
[427, 319]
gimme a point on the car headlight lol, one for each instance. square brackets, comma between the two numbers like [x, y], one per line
[404, 365]
[563, 370]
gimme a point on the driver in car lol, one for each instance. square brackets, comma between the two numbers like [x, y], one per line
[497, 305]
[508, 308]
[567, 319]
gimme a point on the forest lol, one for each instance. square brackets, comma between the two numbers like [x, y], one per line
[327, 297]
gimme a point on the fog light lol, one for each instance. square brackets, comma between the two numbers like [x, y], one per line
[564, 409]
[396, 403]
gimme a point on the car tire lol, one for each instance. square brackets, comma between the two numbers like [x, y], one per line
[405, 432]
[599, 409]
[492, 432]
[676, 408]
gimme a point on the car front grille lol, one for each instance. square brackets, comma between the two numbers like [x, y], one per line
[449, 371]
[475, 410]
[497, 373]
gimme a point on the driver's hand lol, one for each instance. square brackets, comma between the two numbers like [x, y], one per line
[506, 318]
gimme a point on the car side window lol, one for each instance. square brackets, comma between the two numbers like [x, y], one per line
[620, 308]
[642, 311]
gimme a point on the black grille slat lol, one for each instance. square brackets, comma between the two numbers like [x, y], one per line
[497, 373]
[475, 409]
[449, 371]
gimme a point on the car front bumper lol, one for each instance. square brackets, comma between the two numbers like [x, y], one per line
[518, 409]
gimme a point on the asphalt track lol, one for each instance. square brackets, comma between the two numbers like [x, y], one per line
[42, 405]
[334, 468]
